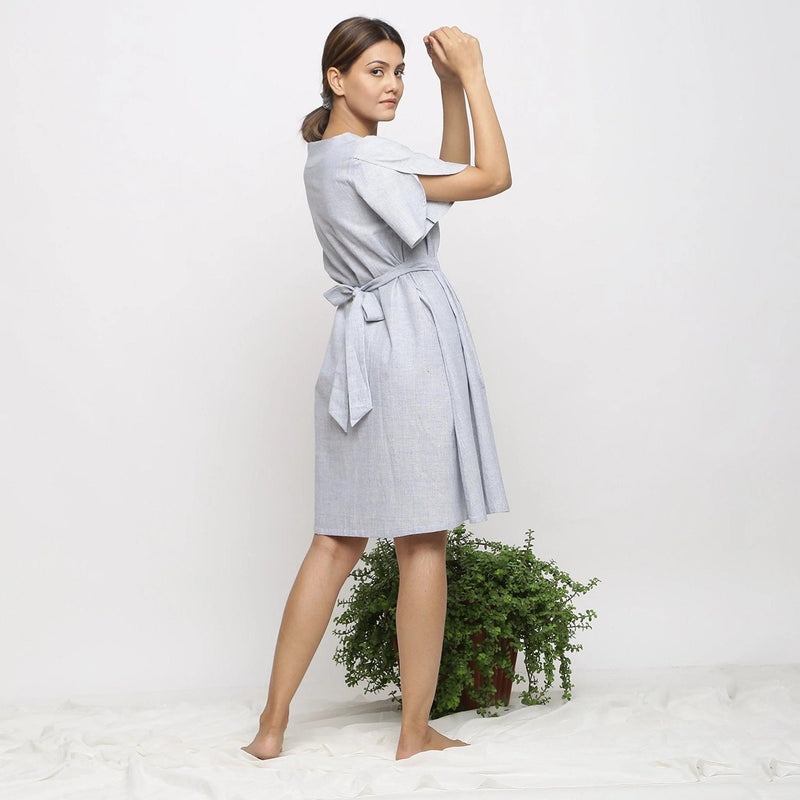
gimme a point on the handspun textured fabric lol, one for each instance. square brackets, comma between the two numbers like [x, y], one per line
[403, 437]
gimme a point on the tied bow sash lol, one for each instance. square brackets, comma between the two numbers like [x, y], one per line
[350, 396]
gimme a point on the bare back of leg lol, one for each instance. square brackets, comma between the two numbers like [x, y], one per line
[421, 609]
[309, 607]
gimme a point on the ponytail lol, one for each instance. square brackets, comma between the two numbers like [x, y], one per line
[314, 124]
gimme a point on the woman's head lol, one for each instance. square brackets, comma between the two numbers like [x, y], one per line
[361, 67]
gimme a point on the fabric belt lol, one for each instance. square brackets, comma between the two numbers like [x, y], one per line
[350, 397]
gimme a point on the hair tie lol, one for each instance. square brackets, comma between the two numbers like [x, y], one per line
[327, 101]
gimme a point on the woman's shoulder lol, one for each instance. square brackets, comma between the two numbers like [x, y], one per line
[381, 151]
[372, 148]
[384, 152]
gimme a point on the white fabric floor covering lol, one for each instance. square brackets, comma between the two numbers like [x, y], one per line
[714, 733]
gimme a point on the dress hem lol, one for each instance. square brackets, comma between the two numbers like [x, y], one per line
[405, 532]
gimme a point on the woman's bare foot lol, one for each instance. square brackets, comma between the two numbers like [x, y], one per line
[267, 745]
[428, 739]
[268, 742]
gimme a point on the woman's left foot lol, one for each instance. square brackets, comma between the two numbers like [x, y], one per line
[267, 744]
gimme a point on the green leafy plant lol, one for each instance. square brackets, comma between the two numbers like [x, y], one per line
[496, 594]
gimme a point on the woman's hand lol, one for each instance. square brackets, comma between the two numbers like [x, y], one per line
[439, 67]
[454, 54]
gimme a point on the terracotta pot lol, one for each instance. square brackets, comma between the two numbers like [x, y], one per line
[502, 683]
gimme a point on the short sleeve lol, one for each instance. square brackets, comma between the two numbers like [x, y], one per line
[384, 174]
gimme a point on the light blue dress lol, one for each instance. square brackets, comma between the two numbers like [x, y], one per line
[403, 438]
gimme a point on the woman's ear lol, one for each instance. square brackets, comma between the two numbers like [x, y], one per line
[335, 80]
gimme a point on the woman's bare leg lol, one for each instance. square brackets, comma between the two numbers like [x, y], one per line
[329, 561]
[421, 608]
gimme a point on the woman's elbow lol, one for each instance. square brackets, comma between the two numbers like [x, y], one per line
[502, 183]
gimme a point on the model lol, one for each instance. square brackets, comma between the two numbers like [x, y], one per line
[404, 446]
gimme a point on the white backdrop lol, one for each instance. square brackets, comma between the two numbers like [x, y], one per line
[633, 297]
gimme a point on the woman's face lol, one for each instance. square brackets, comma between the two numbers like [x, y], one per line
[375, 79]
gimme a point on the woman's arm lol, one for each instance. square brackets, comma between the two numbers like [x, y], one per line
[455, 127]
[460, 53]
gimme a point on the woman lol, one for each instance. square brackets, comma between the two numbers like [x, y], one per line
[404, 444]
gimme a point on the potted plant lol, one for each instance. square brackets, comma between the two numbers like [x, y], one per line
[500, 599]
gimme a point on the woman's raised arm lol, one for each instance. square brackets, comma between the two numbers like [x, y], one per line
[460, 52]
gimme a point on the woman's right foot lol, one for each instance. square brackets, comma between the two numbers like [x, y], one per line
[428, 739]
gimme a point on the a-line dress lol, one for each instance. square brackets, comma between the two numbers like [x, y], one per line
[403, 438]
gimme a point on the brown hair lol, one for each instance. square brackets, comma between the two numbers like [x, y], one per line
[345, 43]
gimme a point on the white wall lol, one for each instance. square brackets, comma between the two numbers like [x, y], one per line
[633, 297]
